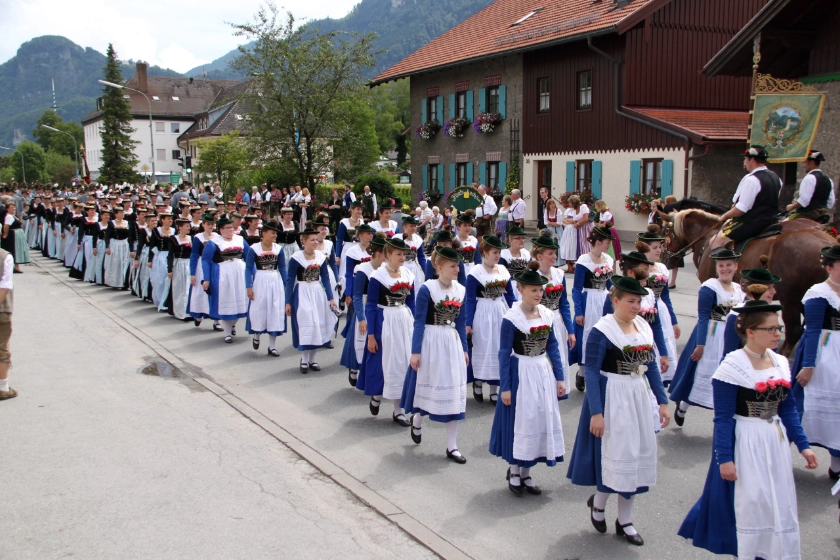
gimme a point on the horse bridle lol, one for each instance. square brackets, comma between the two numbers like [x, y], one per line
[688, 248]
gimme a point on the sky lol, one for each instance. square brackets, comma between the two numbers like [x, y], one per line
[176, 34]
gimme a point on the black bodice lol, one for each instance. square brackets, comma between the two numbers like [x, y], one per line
[720, 312]
[765, 405]
[596, 283]
[228, 256]
[515, 266]
[178, 250]
[621, 363]
[551, 299]
[443, 315]
[306, 274]
[831, 320]
[285, 237]
[529, 344]
[388, 298]
[266, 262]
[121, 233]
[91, 229]
[493, 292]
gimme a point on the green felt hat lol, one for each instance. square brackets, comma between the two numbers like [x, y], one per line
[515, 230]
[448, 253]
[635, 256]
[832, 252]
[444, 235]
[544, 242]
[494, 241]
[629, 285]
[757, 306]
[364, 228]
[223, 221]
[397, 243]
[760, 276]
[411, 220]
[530, 277]
[602, 232]
[724, 254]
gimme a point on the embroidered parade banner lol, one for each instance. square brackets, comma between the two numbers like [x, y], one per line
[786, 116]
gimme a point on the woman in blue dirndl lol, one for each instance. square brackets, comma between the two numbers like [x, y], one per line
[354, 332]
[158, 256]
[615, 446]
[516, 257]
[445, 238]
[198, 306]
[748, 506]
[527, 429]
[345, 238]
[265, 278]
[223, 271]
[435, 385]
[756, 283]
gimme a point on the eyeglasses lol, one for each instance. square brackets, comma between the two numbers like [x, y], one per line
[771, 330]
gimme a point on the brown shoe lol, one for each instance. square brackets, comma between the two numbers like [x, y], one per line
[10, 394]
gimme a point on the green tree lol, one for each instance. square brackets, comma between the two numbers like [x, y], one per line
[223, 158]
[392, 107]
[118, 158]
[55, 141]
[304, 82]
[59, 168]
[356, 152]
[33, 166]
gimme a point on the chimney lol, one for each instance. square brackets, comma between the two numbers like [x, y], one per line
[142, 77]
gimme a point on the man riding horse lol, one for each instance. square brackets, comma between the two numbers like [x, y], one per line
[816, 192]
[756, 202]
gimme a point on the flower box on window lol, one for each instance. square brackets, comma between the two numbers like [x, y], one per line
[455, 128]
[485, 123]
[427, 130]
[639, 203]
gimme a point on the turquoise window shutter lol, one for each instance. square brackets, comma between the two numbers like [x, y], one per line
[441, 188]
[667, 178]
[470, 105]
[482, 173]
[469, 173]
[423, 119]
[570, 176]
[451, 105]
[453, 179]
[425, 178]
[503, 101]
[482, 100]
[502, 175]
[596, 179]
[635, 176]
[440, 109]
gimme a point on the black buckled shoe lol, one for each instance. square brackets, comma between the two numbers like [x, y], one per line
[516, 489]
[478, 394]
[374, 409]
[533, 489]
[833, 475]
[494, 398]
[460, 459]
[228, 339]
[217, 327]
[273, 352]
[679, 416]
[600, 526]
[632, 539]
[233, 331]
[418, 437]
[352, 377]
[580, 383]
[256, 343]
[400, 419]
[197, 322]
[314, 366]
[304, 368]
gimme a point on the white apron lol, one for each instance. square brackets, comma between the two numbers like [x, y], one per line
[487, 326]
[525, 257]
[180, 287]
[397, 329]
[315, 326]
[342, 261]
[469, 262]
[594, 299]
[416, 243]
[267, 312]
[232, 295]
[117, 263]
[667, 327]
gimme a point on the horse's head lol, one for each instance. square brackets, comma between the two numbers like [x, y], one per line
[685, 229]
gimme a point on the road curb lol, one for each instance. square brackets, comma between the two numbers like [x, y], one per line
[387, 509]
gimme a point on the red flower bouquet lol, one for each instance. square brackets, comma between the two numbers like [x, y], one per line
[540, 331]
[771, 384]
[640, 348]
[400, 286]
[230, 250]
[449, 303]
[551, 288]
[496, 284]
[313, 267]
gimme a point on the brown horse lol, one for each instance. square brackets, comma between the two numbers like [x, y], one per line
[794, 256]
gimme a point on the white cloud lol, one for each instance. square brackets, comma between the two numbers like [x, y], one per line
[178, 35]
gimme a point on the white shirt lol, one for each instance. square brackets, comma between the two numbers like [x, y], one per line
[748, 189]
[806, 190]
[487, 208]
[517, 210]
[8, 270]
[436, 222]
[256, 197]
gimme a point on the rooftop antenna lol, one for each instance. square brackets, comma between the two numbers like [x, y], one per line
[203, 72]
[54, 105]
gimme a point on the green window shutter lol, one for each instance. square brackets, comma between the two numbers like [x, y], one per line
[453, 179]
[441, 188]
[482, 100]
[423, 119]
[451, 105]
[469, 173]
[570, 176]
[425, 178]
[503, 101]
[502, 175]
[470, 105]
[596, 179]
[667, 178]
[635, 176]
[440, 109]
[482, 174]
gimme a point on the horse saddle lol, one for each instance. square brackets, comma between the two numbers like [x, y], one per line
[770, 231]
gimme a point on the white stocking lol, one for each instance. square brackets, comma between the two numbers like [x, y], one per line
[271, 340]
[452, 436]
[600, 502]
[625, 514]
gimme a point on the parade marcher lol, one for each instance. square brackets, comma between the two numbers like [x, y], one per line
[101, 247]
[389, 315]
[16, 237]
[593, 271]
[488, 297]
[223, 271]
[60, 214]
[32, 228]
[320, 223]
[287, 236]
[816, 191]
[702, 354]
[195, 220]
[158, 255]
[615, 446]
[468, 244]
[71, 229]
[445, 238]
[415, 257]
[136, 222]
[385, 224]
[178, 269]
[516, 257]
[526, 426]
[48, 247]
[362, 259]
[83, 268]
[748, 506]
[6, 310]
[435, 383]
[731, 339]
[119, 253]
[250, 229]
[265, 279]
[553, 224]
[817, 386]
[607, 221]
[555, 296]
[143, 280]
[199, 304]
[345, 238]
[756, 202]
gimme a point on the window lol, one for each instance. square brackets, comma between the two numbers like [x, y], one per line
[176, 98]
[431, 108]
[544, 95]
[176, 154]
[651, 176]
[175, 128]
[155, 98]
[461, 175]
[160, 127]
[493, 99]
[161, 155]
[583, 175]
[461, 104]
[584, 80]
[492, 175]
[126, 97]
[433, 177]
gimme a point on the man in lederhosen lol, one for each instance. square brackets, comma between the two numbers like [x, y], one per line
[816, 192]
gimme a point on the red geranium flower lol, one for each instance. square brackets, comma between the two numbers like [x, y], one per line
[761, 386]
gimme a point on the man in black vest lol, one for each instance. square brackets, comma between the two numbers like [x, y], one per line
[816, 191]
[756, 202]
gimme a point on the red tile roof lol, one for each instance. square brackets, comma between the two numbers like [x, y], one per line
[490, 32]
[700, 126]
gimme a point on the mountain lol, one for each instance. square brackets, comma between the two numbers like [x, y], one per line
[26, 90]
[402, 27]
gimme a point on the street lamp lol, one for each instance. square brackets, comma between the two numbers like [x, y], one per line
[48, 127]
[151, 132]
[22, 165]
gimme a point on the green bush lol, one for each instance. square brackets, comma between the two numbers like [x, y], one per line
[380, 184]
[403, 192]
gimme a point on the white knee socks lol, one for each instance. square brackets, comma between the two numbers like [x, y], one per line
[397, 409]
[600, 502]
[228, 327]
[494, 389]
[4, 385]
[308, 356]
[684, 406]
[452, 435]
[514, 472]
[417, 421]
[271, 340]
[625, 514]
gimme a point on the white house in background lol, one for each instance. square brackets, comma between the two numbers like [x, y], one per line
[175, 104]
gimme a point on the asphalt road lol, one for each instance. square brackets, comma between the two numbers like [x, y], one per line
[466, 507]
